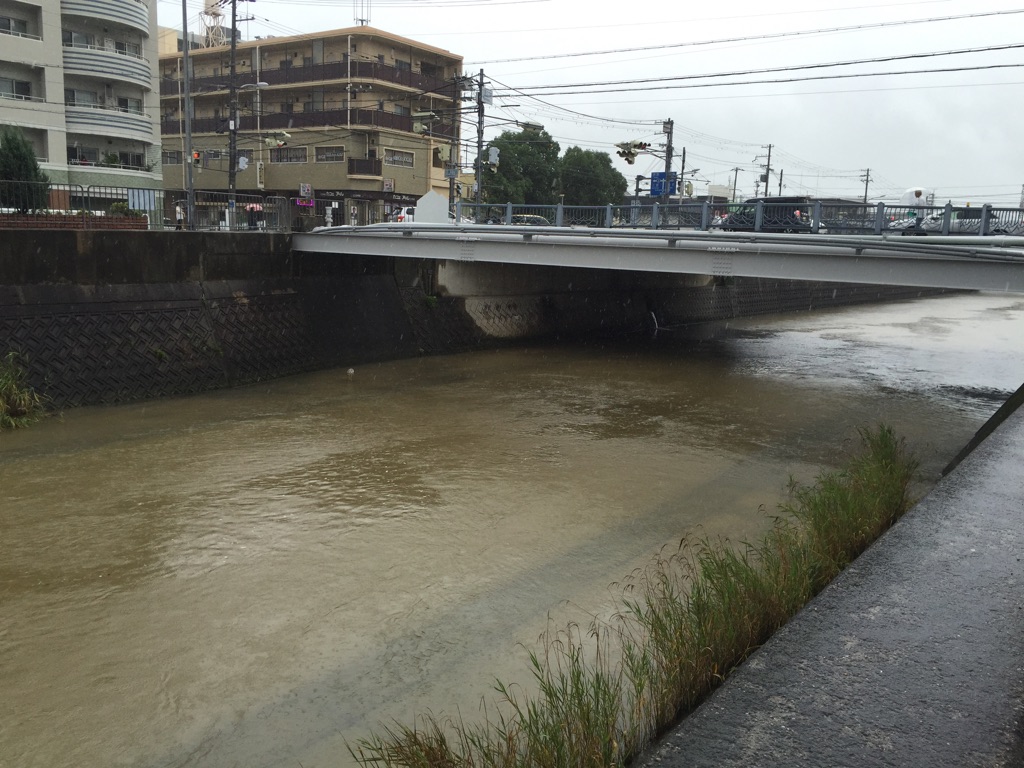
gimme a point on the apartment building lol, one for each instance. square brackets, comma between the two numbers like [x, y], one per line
[79, 77]
[359, 116]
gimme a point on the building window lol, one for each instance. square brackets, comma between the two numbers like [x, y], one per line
[13, 26]
[129, 49]
[398, 157]
[288, 155]
[129, 105]
[77, 39]
[401, 109]
[334, 154]
[15, 89]
[403, 66]
[287, 107]
[73, 97]
[170, 157]
[83, 155]
[248, 154]
[131, 159]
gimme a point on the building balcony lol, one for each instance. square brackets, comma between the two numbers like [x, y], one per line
[286, 121]
[337, 71]
[365, 167]
[133, 13]
[103, 63]
[109, 121]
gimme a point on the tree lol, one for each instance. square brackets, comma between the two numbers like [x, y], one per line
[588, 178]
[23, 185]
[527, 170]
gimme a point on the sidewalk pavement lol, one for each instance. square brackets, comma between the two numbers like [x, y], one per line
[913, 656]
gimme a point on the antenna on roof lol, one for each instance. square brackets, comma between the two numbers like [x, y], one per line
[361, 11]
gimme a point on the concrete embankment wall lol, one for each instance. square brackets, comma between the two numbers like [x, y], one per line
[104, 317]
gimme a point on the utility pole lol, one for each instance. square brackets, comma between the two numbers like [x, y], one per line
[780, 182]
[233, 109]
[735, 177]
[190, 188]
[867, 179]
[479, 139]
[668, 127]
[767, 170]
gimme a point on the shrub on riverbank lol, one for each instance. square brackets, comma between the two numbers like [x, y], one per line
[604, 694]
[19, 403]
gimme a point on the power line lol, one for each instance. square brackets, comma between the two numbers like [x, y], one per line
[791, 68]
[752, 38]
[637, 83]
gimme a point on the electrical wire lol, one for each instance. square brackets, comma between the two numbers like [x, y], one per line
[754, 38]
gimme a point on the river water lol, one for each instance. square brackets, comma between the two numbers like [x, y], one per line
[252, 577]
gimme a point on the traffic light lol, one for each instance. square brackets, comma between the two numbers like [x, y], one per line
[628, 150]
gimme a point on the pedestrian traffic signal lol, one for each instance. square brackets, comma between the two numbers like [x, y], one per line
[197, 157]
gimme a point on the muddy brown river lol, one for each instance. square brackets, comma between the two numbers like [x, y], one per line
[255, 577]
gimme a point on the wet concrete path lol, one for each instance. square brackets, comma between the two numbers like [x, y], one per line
[914, 656]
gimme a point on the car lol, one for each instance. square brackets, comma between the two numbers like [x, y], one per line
[535, 221]
[779, 214]
[963, 221]
[406, 214]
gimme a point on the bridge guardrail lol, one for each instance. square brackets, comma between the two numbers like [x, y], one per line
[820, 217]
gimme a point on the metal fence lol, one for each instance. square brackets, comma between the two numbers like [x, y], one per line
[814, 217]
[70, 206]
[231, 212]
[35, 205]
[38, 205]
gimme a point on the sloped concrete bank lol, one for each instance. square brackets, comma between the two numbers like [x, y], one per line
[106, 317]
[913, 656]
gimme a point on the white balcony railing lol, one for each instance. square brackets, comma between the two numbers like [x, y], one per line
[134, 13]
[94, 61]
[25, 35]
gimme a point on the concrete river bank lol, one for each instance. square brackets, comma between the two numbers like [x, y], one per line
[253, 576]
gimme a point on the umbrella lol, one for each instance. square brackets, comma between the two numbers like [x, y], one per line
[254, 207]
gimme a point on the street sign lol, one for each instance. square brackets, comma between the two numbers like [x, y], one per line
[658, 183]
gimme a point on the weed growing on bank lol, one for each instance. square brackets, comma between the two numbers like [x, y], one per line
[19, 403]
[602, 695]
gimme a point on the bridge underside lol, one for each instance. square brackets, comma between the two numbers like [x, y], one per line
[970, 263]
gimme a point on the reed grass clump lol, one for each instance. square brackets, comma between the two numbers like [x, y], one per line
[20, 405]
[603, 694]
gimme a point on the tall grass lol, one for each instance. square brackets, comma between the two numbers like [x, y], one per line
[20, 405]
[689, 618]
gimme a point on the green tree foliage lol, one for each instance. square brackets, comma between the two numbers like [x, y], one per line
[527, 171]
[588, 178]
[23, 185]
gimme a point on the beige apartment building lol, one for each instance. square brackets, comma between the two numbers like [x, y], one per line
[358, 116]
[79, 77]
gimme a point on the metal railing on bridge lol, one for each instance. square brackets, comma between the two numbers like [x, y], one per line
[812, 217]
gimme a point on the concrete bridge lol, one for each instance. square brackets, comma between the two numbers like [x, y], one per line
[992, 263]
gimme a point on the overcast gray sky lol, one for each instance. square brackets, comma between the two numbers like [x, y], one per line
[957, 131]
